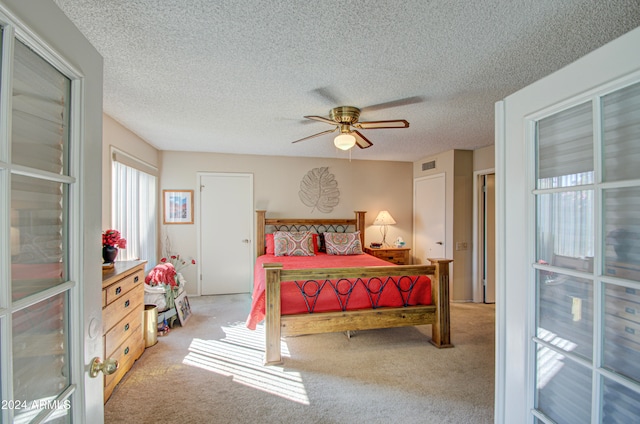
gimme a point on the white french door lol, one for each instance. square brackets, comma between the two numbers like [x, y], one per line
[47, 299]
[568, 300]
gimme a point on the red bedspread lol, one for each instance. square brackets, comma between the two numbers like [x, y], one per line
[293, 302]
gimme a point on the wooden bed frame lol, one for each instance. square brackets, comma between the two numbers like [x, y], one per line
[277, 325]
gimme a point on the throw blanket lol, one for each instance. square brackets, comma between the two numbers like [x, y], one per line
[163, 273]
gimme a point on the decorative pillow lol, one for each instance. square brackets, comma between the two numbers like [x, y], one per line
[343, 243]
[293, 243]
[270, 247]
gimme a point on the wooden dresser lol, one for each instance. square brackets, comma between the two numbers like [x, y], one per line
[396, 255]
[122, 315]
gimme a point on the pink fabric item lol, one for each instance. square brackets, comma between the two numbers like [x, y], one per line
[293, 303]
[163, 273]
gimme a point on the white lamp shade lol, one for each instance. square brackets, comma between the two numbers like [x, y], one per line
[384, 218]
[344, 141]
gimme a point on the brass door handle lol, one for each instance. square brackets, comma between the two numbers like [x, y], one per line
[107, 367]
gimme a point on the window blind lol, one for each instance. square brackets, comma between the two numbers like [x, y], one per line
[565, 144]
[134, 212]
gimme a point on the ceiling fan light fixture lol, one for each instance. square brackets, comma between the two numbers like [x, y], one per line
[344, 141]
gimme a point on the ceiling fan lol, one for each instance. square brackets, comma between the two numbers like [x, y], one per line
[345, 119]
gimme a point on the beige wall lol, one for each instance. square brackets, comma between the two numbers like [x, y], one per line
[364, 185]
[116, 135]
[484, 158]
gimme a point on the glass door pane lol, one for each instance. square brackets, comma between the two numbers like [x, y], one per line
[39, 132]
[40, 356]
[37, 235]
[621, 141]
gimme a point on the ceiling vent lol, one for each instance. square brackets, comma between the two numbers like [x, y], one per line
[429, 165]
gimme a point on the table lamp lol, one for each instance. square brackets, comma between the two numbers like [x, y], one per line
[384, 219]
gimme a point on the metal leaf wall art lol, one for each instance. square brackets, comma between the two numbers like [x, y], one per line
[319, 190]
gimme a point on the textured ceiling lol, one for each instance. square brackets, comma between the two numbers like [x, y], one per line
[238, 76]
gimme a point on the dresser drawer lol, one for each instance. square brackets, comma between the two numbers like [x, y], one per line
[114, 312]
[130, 324]
[396, 256]
[120, 288]
[125, 354]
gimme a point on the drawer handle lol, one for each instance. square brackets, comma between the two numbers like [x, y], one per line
[126, 304]
[126, 350]
[137, 277]
[629, 330]
[630, 310]
[119, 290]
[126, 327]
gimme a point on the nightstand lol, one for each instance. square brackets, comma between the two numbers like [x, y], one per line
[396, 255]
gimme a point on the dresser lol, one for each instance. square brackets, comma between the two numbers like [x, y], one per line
[122, 315]
[396, 255]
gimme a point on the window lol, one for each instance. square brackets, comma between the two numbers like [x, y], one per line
[587, 270]
[134, 207]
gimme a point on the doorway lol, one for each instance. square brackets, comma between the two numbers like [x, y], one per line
[226, 232]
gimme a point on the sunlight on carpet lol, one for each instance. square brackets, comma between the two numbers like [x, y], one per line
[240, 355]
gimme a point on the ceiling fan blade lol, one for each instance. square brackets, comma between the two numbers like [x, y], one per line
[372, 125]
[327, 94]
[316, 135]
[361, 140]
[394, 103]
[322, 119]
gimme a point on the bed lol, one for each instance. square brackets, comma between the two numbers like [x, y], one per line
[337, 293]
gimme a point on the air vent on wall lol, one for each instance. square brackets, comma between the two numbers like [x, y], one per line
[429, 165]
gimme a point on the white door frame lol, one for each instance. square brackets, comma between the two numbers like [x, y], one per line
[478, 288]
[198, 218]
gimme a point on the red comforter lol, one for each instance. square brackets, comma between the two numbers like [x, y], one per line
[293, 302]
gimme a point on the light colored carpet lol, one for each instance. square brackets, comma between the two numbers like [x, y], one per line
[210, 371]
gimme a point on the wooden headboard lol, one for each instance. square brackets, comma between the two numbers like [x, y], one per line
[292, 224]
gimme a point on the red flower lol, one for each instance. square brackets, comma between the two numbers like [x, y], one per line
[112, 238]
[178, 262]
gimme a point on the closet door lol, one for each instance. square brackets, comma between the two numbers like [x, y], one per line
[226, 232]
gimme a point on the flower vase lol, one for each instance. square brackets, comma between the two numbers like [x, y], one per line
[109, 254]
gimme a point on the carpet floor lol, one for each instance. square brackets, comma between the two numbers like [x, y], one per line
[210, 371]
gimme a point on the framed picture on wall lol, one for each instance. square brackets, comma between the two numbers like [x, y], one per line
[177, 206]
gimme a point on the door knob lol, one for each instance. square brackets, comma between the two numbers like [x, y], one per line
[246, 241]
[107, 367]
[439, 242]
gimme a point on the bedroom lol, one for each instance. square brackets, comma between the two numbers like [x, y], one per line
[93, 182]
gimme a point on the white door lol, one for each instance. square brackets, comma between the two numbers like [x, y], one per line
[50, 302]
[429, 218]
[226, 232]
[568, 268]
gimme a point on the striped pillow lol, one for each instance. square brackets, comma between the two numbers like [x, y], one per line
[343, 243]
[293, 243]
